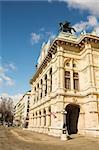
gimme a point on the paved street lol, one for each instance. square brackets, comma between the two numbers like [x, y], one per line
[18, 139]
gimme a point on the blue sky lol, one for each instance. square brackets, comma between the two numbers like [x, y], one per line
[25, 25]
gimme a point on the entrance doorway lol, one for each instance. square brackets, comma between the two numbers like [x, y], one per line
[72, 118]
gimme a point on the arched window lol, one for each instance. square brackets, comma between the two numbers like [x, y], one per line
[49, 116]
[45, 84]
[37, 91]
[44, 117]
[36, 118]
[33, 118]
[50, 79]
[41, 88]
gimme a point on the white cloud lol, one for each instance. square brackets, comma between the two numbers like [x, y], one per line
[42, 29]
[12, 66]
[91, 5]
[97, 30]
[43, 35]
[9, 81]
[49, 1]
[91, 22]
[50, 35]
[1, 81]
[15, 98]
[2, 70]
[35, 38]
[4, 78]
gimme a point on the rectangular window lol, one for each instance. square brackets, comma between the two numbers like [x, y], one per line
[34, 100]
[38, 91]
[50, 79]
[41, 95]
[41, 88]
[67, 79]
[76, 81]
[45, 85]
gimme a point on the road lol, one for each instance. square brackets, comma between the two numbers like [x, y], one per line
[18, 139]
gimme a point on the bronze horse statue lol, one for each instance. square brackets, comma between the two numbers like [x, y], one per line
[66, 27]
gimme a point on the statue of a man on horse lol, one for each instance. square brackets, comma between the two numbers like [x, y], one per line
[66, 27]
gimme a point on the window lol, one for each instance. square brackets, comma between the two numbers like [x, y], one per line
[45, 85]
[49, 116]
[37, 98]
[34, 100]
[28, 106]
[76, 81]
[36, 118]
[39, 118]
[38, 85]
[74, 65]
[50, 79]
[41, 88]
[28, 110]
[35, 89]
[67, 64]
[67, 79]
[44, 117]
[41, 95]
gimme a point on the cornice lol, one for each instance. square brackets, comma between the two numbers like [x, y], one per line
[59, 41]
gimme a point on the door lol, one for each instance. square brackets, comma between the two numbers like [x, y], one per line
[72, 118]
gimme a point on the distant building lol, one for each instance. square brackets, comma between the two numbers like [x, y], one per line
[21, 111]
[65, 86]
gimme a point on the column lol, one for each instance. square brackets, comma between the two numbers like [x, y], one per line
[42, 118]
[32, 97]
[37, 118]
[34, 119]
[90, 63]
[47, 117]
[60, 69]
[91, 114]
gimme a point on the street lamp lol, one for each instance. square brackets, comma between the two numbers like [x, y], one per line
[65, 135]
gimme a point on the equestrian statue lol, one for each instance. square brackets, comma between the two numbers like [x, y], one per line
[66, 27]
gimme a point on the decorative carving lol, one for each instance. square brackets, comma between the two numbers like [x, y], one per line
[74, 100]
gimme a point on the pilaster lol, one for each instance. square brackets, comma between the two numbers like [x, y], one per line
[60, 69]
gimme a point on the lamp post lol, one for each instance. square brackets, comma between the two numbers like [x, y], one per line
[65, 135]
[64, 128]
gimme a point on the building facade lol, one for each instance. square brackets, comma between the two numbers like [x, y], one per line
[21, 111]
[65, 87]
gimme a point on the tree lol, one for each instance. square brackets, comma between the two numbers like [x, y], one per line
[6, 110]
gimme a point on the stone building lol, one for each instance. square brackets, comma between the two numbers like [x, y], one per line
[21, 111]
[65, 86]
